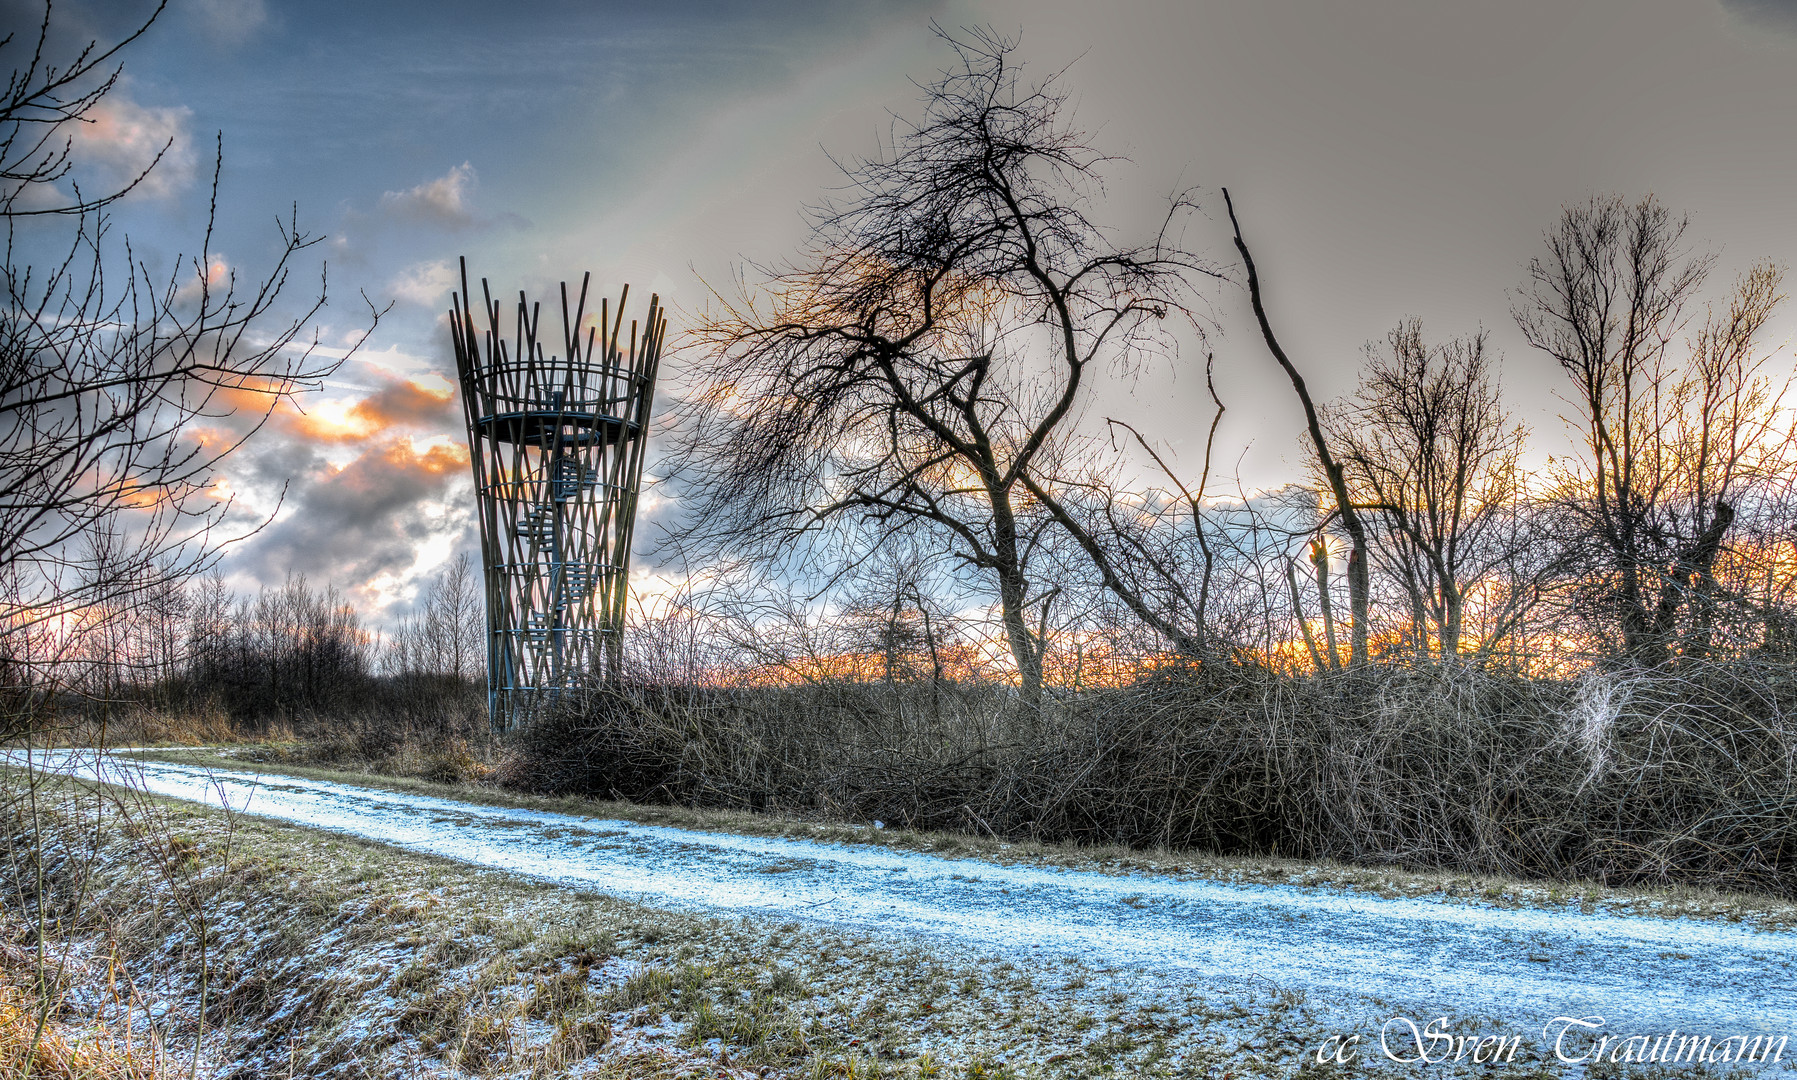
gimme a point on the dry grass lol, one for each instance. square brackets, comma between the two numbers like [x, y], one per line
[41, 1039]
[141, 725]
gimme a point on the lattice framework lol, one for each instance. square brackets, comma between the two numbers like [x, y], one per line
[556, 444]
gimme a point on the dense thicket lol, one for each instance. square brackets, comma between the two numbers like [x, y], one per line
[1653, 778]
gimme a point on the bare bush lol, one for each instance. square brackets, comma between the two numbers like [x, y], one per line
[1661, 779]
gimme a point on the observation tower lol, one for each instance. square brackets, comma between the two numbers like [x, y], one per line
[555, 435]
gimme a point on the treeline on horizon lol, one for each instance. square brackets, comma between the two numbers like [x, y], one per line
[193, 660]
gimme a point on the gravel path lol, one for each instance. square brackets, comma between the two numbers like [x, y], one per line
[1362, 957]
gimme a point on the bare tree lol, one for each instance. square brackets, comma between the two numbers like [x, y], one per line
[455, 618]
[1334, 475]
[106, 367]
[1163, 571]
[1427, 442]
[1673, 445]
[447, 635]
[922, 366]
[209, 631]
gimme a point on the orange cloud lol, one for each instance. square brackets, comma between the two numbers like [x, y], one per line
[398, 403]
[440, 459]
[404, 402]
[355, 522]
[383, 466]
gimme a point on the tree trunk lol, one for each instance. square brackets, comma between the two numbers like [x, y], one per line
[1319, 558]
[1359, 586]
[1360, 594]
[1013, 589]
[1453, 605]
[1310, 641]
[1026, 651]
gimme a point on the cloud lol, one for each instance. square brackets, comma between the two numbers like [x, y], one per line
[230, 22]
[443, 201]
[38, 195]
[391, 406]
[404, 403]
[121, 138]
[213, 286]
[427, 283]
[366, 519]
[1765, 14]
[375, 479]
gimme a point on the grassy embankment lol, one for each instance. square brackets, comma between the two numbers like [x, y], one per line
[329, 956]
[323, 955]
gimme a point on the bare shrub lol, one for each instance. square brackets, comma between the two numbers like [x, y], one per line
[1680, 775]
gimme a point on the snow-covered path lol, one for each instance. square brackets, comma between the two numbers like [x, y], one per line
[1365, 956]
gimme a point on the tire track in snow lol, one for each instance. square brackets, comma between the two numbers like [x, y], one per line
[1363, 957]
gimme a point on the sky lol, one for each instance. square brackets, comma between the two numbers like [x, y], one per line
[1389, 159]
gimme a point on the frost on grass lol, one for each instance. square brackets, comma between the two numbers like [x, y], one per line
[1460, 955]
[1681, 901]
[318, 954]
[65, 1015]
[325, 956]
